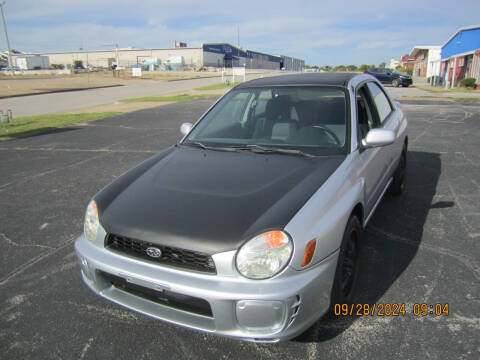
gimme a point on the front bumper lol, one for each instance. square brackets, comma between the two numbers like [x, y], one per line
[264, 311]
[405, 81]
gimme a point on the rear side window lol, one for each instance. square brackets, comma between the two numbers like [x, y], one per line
[381, 102]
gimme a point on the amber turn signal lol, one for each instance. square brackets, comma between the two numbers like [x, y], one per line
[309, 251]
[95, 209]
[275, 239]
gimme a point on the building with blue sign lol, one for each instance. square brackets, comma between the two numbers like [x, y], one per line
[460, 56]
[226, 55]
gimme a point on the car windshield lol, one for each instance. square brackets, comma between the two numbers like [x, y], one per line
[394, 71]
[308, 120]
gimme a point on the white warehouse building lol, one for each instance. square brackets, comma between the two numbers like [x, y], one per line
[207, 55]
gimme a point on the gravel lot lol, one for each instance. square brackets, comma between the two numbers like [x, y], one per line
[422, 247]
[32, 84]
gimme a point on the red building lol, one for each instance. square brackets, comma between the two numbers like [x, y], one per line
[407, 61]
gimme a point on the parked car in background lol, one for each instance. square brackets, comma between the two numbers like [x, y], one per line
[390, 76]
[251, 226]
[11, 68]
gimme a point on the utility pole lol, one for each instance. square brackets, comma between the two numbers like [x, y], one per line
[238, 36]
[88, 71]
[6, 36]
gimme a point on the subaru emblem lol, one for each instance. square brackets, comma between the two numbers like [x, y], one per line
[153, 252]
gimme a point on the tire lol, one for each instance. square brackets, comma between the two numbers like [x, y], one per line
[398, 184]
[406, 85]
[395, 83]
[346, 275]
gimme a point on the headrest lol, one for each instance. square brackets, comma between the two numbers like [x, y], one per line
[278, 108]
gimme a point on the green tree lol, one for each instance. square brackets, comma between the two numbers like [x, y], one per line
[382, 64]
[363, 67]
[352, 67]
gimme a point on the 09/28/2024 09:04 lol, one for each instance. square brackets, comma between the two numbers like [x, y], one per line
[391, 309]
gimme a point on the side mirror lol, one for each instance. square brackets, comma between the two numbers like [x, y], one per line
[185, 128]
[378, 137]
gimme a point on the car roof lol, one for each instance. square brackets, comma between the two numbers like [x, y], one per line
[337, 79]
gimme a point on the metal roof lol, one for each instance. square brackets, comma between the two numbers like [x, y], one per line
[339, 79]
[112, 50]
[471, 27]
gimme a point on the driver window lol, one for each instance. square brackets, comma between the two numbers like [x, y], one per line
[364, 114]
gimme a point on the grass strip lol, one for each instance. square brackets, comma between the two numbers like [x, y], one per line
[217, 86]
[443, 89]
[174, 98]
[466, 99]
[443, 98]
[26, 125]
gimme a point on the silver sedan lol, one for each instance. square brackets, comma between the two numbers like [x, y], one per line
[251, 225]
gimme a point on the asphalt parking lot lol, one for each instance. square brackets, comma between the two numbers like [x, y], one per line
[422, 247]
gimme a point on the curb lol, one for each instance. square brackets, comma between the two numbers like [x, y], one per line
[59, 91]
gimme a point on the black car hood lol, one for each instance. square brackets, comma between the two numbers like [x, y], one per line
[210, 201]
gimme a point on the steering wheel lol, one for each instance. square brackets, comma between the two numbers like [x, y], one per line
[330, 133]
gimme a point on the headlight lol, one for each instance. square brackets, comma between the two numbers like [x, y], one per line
[265, 255]
[92, 223]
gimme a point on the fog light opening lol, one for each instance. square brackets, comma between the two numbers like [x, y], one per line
[261, 316]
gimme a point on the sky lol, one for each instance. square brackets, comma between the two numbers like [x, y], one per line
[320, 32]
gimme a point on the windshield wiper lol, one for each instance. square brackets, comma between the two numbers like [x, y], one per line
[195, 144]
[267, 149]
[207, 147]
[250, 147]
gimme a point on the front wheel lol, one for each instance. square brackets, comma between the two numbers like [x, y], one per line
[346, 274]
[395, 83]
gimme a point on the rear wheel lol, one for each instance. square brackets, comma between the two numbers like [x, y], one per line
[398, 183]
[346, 274]
[395, 83]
